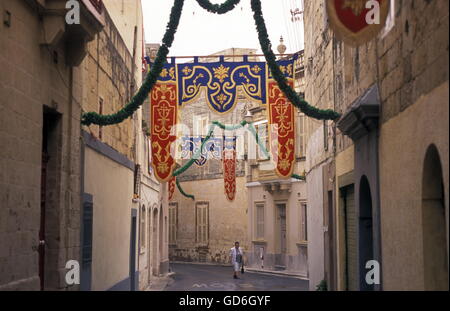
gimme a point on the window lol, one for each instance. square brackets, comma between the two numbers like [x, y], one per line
[202, 223]
[301, 136]
[260, 221]
[201, 125]
[173, 223]
[325, 135]
[303, 222]
[263, 135]
[142, 227]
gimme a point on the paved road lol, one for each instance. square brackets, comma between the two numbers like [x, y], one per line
[191, 277]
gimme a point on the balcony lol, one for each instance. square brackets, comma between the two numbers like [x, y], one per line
[73, 36]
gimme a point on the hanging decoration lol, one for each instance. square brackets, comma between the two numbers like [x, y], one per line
[349, 19]
[172, 183]
[191, 144]
[223, 8]
[163, 119]
[221, 80]
[281, 119]
[190, 196]
[229, 166]
[89, 118]
[278, 76]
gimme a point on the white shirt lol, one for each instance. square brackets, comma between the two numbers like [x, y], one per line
[234, 252]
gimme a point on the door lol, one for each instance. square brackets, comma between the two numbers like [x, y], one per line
[281, 208]
[133, 251]
[41, 248]
[351, 264]
[86, 257]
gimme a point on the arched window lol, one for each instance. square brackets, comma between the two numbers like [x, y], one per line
[433, 223]
[142, 226]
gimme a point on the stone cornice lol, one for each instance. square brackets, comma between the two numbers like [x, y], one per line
[362, 117]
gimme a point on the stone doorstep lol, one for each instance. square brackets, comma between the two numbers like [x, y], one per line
[278, 273]
[200, 263]
[159, 283]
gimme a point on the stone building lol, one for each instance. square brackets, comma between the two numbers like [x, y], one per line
[277, 208]
[73, 193]
[40, 108]
[127, 218]
[382, 169]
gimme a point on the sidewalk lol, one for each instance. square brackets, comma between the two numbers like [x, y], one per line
[158, 284]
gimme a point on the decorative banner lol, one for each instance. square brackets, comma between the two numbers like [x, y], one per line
[212, 150]
[349, 19]
[221, 81]
[281, 116]
[163, 118]
[172, 183]
[229, 167]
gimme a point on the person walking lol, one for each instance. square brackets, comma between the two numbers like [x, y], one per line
[237, 258]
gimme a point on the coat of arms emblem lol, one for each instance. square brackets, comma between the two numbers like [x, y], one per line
[357, 21]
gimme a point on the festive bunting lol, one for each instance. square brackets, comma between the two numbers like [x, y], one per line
[127, 111]
[221, 81]
[229, 167]
[163, 118]
[281, 119]
[190, 145]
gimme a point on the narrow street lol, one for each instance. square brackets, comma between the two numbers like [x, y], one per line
[194, 277]
[144, 144]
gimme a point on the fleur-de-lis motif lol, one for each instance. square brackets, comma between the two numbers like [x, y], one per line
[221, 98]
[357, 6]
[255, 69]
[164, 73]
[186, 70]
[221, 72]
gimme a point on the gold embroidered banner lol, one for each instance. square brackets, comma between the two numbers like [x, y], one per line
[229, 167]
[163, 119]
[281, 116]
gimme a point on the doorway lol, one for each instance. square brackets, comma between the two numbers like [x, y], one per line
[281, 232]
[365, 232]
[155, 247]
[133, 250]
[49, 199]
[435, 252]
[351, 265]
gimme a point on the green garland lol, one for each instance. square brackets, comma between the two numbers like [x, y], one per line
[137, 100]
[299, 177]
[223, 8]
[190, 196]
[152, 77]
[296, 100]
